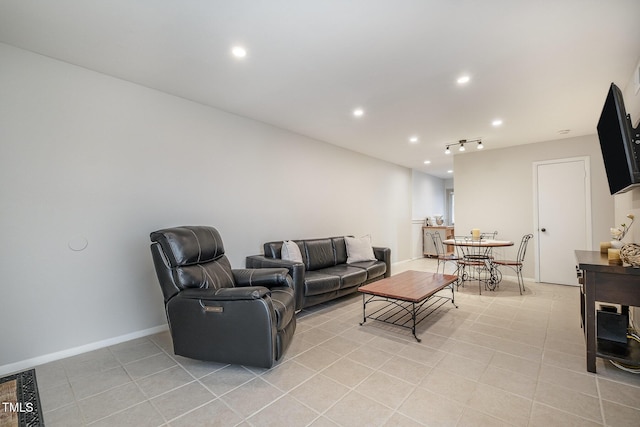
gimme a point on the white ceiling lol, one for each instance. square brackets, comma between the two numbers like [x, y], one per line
[541, 66]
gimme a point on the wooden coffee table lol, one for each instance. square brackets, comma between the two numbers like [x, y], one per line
[410, 296]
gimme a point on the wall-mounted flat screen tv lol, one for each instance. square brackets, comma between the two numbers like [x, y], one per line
[620, 143]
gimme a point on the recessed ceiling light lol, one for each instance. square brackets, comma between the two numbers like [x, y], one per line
[239, 51]
[496, 123]
[358, 112]
[463, 80]
[413, 139]
[450, 171]
[427, 162]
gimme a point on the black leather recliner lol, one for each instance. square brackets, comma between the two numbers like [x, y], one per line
[216, 313]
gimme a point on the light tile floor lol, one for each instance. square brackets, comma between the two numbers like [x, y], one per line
[500, 359]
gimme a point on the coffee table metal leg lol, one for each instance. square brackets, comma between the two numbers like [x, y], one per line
[364, 310]
[453, 297]
[413, 315]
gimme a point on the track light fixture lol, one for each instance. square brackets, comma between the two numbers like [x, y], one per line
[461, 145]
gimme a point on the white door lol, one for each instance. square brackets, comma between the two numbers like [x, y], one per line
[563, 217]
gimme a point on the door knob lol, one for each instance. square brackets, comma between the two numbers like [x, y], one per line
[543, 229]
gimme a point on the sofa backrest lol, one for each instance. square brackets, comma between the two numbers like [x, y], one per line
[340, 248]
[319, 254]
[316, 253]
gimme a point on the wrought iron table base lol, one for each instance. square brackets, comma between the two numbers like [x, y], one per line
[397, 310]
[487, 274]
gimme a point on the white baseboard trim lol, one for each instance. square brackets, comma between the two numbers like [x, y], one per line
[403, 261]
[51, 357]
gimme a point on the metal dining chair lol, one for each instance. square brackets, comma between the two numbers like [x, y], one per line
[441, 252]
[472, 263]
[516, 264]
[489, 236]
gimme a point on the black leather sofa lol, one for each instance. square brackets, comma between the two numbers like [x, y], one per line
[324, 274]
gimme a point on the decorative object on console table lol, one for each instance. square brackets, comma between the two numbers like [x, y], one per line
[613, 255]
[630, 254]
[618, 233]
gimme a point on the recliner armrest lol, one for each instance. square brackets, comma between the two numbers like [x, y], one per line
[267, 277]
[226, 294]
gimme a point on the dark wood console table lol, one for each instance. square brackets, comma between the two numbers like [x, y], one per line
[607, 283]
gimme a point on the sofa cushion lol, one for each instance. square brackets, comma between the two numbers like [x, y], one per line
[319, 254]
[284, 304]
[359, 249]
[316, 283]
[373, 268]
[291, 251]
[349, 276]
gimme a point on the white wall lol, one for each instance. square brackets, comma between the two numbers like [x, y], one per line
[494, 189]
[89, 157]
[428, 195]
[428, 200]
